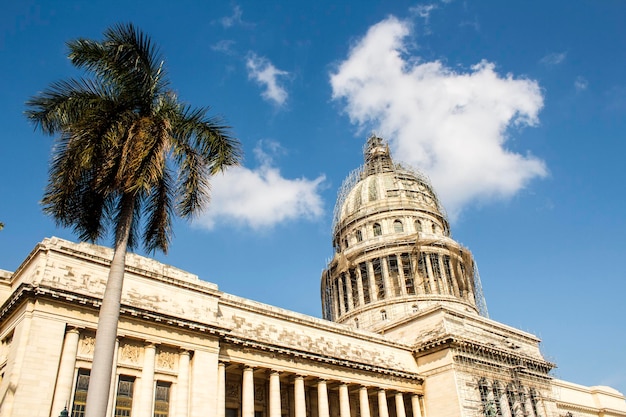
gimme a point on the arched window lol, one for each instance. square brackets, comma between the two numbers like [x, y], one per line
[377, 229]
[398, 227]
[359, 236]
[434, 228]
[418, 226]
[383, 315]
[356, 323]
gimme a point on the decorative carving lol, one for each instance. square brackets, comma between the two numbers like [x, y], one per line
[166, 360]
[87, 345]
[232, 391]
[259, 393]
[131, 353]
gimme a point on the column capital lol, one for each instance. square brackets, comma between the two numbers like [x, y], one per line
[73, 329]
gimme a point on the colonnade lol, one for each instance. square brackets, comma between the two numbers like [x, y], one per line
[302, 389]
[199, 383]
[397, 275]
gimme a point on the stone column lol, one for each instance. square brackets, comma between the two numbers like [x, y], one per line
[298, 395]
[415, 405]
[387, 279]
[364, 402]
[247, 392]
[65, 377]
[400, 412]
[203, 381]
[146, 392]
[382, 404]
[435, 288]
[359, 284]
[373, 286]
[274, 407]
[221, 390]
[322, 399]
[348, 279]
[182, 389]
[344, 401]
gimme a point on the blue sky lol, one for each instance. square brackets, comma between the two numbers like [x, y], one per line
[516, 110]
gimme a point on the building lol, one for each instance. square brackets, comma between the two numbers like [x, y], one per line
[405, 330]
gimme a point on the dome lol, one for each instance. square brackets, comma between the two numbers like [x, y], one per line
[393, 252]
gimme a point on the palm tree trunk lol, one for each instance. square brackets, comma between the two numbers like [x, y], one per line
[106, 333]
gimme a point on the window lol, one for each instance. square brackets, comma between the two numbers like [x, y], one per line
[447, 271]
[378, 278]
[356, 323]
[124, 399]
[435, 229]
[434, 263]
[394, 274]
[407, 269]
[359, 236]
[377, 229]
[162, 399]
[383, 315]
[423, 272]
[355, 287]
[398, 227]
[344, 291]
[415, 308]
[80, 395]
[418, 226]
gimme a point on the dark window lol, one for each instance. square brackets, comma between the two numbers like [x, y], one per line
[378, 278]
[418, 226]
[447, 270]
[407, 269]
[398, 227]
[355, 287]
[394, 274]
[162, 399]
[124, 399]
[80, 395]
[359, 236]
[434, 263]
[344, 290]
[378, 230]
[423, 272]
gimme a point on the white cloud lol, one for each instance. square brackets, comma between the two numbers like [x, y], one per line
[262, 71]
[452, 125]
[235, 19]
[225, 46]
[553, 59]
[581, 83]
[261, 198]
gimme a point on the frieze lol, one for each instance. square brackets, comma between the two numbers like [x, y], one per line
[87, 345]
[130, 353]
[166, 360]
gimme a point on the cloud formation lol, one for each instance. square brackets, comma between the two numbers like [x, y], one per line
[265, 74]
[235, 19]
[453, 125]
[553, 59]
[261, 198]
[581, 83]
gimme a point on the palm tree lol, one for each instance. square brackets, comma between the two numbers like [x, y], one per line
[127, 158]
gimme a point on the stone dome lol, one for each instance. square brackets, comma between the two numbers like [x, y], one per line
[393, 252]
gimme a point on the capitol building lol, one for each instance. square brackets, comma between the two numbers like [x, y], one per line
[404, 329]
